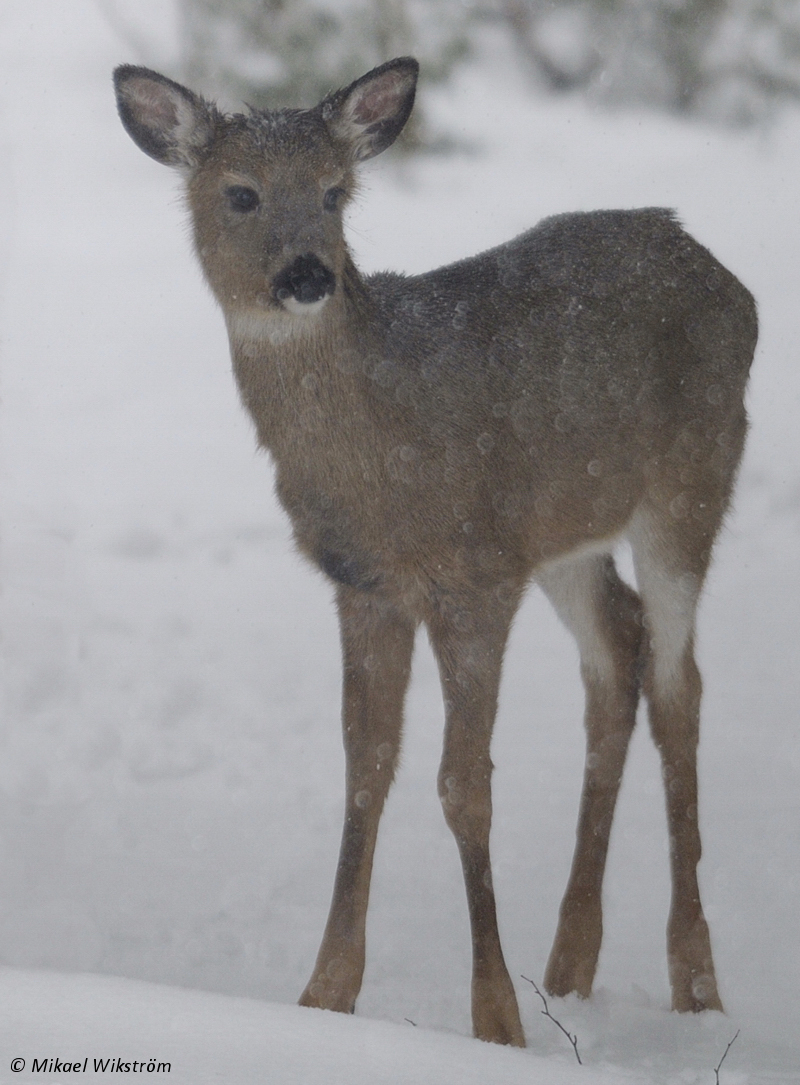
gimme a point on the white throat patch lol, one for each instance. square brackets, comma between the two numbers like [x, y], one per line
[305, 308]
[274, 326]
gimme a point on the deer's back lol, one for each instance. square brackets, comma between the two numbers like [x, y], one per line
[605, 303]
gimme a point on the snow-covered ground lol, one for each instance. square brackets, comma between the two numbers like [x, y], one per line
[170, 764]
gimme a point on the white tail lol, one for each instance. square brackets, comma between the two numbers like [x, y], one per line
[443, 439]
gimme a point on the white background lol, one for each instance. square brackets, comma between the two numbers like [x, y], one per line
[171, 771]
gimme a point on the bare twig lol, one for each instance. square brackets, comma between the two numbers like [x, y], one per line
[727, 1049]
[572, 1039]
[414, 1023]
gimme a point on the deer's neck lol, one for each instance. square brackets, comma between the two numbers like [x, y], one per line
[311, 390]
[302, 376]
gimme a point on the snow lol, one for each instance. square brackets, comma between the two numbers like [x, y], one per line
[212, 1038]
[171, 773]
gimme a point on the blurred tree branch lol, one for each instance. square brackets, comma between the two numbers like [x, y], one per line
[726, 60]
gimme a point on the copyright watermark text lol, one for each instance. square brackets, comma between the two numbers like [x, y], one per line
[52, 1065]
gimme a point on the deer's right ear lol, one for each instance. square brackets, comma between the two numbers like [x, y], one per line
[166, 120]
[369, 114]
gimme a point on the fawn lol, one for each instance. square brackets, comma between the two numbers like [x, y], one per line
[441, 440]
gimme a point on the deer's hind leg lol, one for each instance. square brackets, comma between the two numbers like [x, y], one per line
[671, 560]
[377, 644]
[605, 616]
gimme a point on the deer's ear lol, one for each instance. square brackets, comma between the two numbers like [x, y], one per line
[166, 120]
[370, 113]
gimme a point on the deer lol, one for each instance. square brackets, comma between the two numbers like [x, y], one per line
[441, 441]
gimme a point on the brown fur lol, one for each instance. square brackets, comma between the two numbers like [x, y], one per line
[442, 439]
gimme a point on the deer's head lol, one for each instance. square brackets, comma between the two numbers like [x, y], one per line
[267, 189]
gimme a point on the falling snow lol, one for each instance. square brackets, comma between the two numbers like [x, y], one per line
[171, 778]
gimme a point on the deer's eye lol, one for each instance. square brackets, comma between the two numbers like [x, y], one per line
[242, 199]
[332, 198]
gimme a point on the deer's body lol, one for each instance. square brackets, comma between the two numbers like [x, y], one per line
[468, 410]
[442, 439]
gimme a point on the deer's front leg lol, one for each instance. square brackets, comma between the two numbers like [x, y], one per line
[469, 642]
[377, 643]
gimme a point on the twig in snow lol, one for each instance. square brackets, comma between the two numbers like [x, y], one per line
[414, 1023]
[572, 1039]
[727, 1049]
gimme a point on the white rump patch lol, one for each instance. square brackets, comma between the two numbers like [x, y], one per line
[669, 596]
[571, 585]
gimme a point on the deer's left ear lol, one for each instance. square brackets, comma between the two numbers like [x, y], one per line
[370, 113]
[166, 120]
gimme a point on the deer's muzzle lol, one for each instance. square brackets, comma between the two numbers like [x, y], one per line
[304, 282]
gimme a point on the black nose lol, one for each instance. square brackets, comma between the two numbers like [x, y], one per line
[306, 280]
